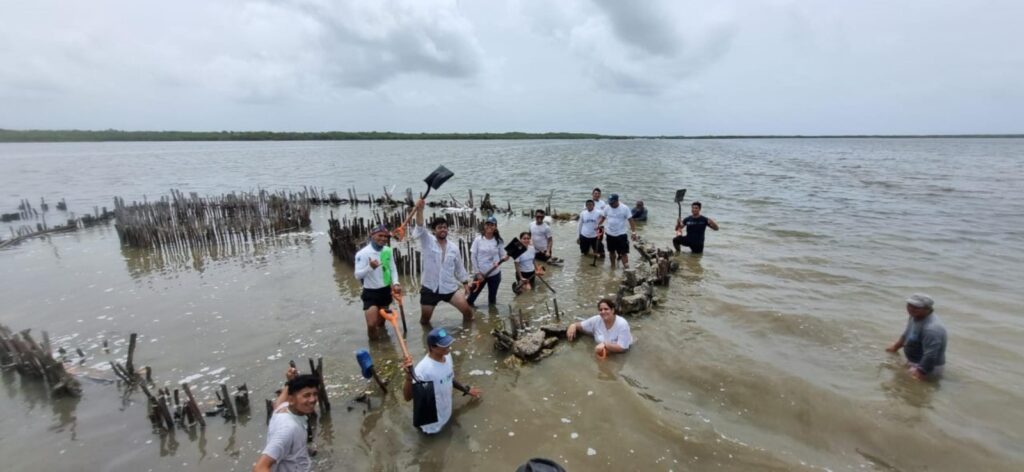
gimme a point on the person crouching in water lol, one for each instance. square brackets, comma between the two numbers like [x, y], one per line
[286, 447]
[443, 271]
[486, 253]
[436, 367]
[526, 265]
[611, 331]
[376, 270]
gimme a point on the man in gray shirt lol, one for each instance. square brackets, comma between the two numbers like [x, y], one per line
[924, 339]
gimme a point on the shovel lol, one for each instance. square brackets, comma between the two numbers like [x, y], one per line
[680, 195]
[513, 249]
[366, 367]
[434, 181]
[397, 295]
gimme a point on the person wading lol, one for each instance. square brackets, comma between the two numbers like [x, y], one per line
[443, 271]
[376, 270]
[923, 340]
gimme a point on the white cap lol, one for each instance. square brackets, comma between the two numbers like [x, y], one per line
[920, 300]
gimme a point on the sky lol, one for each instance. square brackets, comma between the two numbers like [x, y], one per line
[659, 67]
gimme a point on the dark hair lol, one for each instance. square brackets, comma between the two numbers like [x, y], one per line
[539, 210]
[438, 221]
[301, 382]
[526, 233]
[606, 301]
[497, 235]
[696, 204]
[596, 189]
[588, 201]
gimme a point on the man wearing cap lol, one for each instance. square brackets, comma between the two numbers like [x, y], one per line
[540, 233]
[436, 367]
[442, 270]
[617, 215]
[375, 268]
[695, 226]
[924, 339]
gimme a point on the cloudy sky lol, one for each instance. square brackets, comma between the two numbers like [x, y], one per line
[605, 66]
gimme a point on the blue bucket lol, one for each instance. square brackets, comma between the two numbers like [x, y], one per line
[365, 362]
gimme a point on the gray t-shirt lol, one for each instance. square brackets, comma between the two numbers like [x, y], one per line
[286, 442]
[924, 343]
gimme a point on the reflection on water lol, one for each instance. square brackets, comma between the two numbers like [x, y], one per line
[762, 355]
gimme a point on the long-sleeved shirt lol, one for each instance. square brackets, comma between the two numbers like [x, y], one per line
[484, 253]
[442, 272]
[924, 343]
[373, 278]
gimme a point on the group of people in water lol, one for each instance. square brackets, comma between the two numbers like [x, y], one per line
[603, 228]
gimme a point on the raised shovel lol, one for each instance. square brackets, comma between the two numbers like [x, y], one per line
[680, 195]
[434, 181]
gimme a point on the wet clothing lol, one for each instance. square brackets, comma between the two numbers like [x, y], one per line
[442, 271]
[599, 205]
[618, 334]
[588, 244]
[616, 220]
[442, 374]
[924, 343]
[431, 298]
[286, 441]
[639, 214]
[525, 261]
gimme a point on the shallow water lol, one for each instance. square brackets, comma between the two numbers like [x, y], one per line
[766, 353]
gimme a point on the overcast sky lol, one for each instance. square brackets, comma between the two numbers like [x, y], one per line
[604, 66]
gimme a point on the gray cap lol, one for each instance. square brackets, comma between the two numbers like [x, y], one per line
[920, 300]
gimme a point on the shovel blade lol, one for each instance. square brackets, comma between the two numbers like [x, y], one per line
[438, 177]
[680, 195]
[515, 248]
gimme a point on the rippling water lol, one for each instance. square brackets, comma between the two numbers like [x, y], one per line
[766, 353]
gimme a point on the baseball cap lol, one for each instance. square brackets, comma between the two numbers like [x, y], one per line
[613, 198]
[920, 300]
[379, 229]
[439, 337]
[492, 220]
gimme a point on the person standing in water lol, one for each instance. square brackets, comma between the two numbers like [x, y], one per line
[486, 253]
[695, 225]
[923, 340]
[443, 271]
[376, 270]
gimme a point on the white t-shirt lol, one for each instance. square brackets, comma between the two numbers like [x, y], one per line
[286, 441]
[540, 234]
[587, 227]
[599, 205]
[618, 334]
[484, 253]
[370, 277]
[442, 374]
[615, 222]
[525, 261]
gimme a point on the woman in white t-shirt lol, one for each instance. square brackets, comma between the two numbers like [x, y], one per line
[526, 265]
[611, 331]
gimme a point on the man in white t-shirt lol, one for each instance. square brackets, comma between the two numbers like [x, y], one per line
[586, 229]
[540, 232]
[616, 216]
[599, 206]
[436, 367]
[286, 449]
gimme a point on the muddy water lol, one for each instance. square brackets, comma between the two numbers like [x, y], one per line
[767, 352]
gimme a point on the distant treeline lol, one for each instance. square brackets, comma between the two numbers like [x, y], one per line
[49, 136]
[117, 135]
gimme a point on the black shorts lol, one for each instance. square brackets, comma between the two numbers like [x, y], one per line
[542, 256]
[378, 297]
[587, 245]
[618, 244]
[431, 298]
[696, 247]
